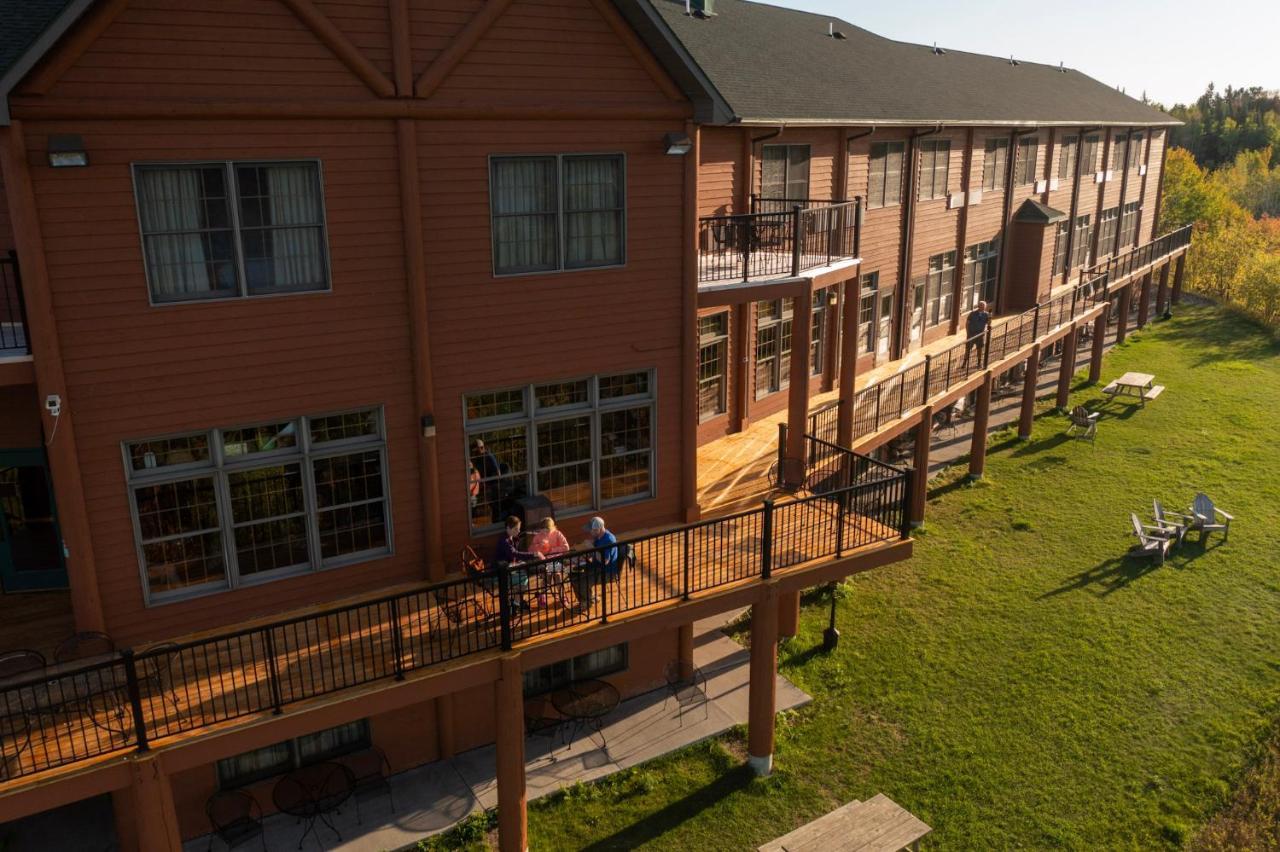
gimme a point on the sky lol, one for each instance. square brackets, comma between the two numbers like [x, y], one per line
[1171, 50]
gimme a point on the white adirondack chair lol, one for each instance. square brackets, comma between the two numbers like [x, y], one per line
[1152, 541]
[1083, 420]
[1207, 518]
[1175, 522]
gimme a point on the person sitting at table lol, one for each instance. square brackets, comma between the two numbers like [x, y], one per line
[587, 575]
[507, 555]
[548, 540]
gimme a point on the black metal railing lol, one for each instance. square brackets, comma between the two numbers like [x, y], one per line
[1136, 258]
[13, 310]
[775, 243]
[71, 713]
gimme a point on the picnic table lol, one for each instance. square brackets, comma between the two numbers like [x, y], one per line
[1141, 385]
[876, 825]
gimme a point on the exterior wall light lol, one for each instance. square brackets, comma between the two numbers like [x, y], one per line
[677, 144]
[66, 151]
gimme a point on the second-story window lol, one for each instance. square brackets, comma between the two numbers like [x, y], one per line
[1089, 150]
[1108, 222]
[1080, 241]
[1060, 232]
[817, 338]
[1067, 157]
[982, 262]
[713, 357]
[226, 230]
[884, 174]
[935, 163]
[1119, 151]
[557, 212]
[995, 161]
[1129, 224]
[867, 312]
[785, 172]
[1137, 151]
[773, 345]
[1025, 165]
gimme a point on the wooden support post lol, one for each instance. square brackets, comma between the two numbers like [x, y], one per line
[1177, 278]
[508, 700]
[1099, 342]
[1162, 294]
[1068, 367]
[1122, 321]
[1029, 393]
[741, 344]
[920, 482]
[848, 363]
[798, 394]
[831, 332]
[788, 614]
[763, 686]
[155, 817]
[685, 650]
[1144, 301]
[689, 312]
[981, 420]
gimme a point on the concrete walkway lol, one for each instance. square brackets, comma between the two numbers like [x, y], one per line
[432, 798]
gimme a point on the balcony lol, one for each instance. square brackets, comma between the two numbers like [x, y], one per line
[780, 238]
[1140, 257]
[66, 716]
[13, 313]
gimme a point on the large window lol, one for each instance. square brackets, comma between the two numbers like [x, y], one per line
[582, 443]
[995, 162]
[818, 337]
[884, 174]
[713, 356]
[1119, 151]
[1027, 156]
[1060, 236]
[935, 162]
[596, 664]
[214, 510]
[937, 290]
[867, 312]
[557, 212]
[981, 269]
[1137, 153]
[773, 345]
[1129, 224]
[1068, 150]
[1108, 223]
[279, 758]
[1089, 155]
[785, 172]
[1080, 242]
[227, 230]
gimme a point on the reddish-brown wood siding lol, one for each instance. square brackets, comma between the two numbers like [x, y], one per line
[6, 224]
[20, 421]
[720, 171]
[366, 24]
[1146, 224]
[882, 227]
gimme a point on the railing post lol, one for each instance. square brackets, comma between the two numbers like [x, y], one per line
[782, 451]
[1074, 295]
[840, 510]
[748, 232]
[688, 564]
[1035, 324]
[135, 699]
[273, 672]
[908, 485]
[986, 350]
[795, 239]
[604, 586]
[504, 606]
[928, 367]
[766, 541]
[397, 641]
[879, 396]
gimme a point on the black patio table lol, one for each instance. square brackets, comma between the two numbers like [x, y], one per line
[312, 792]
[585, 703]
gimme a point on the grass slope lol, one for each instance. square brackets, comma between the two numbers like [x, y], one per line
[1018, 683]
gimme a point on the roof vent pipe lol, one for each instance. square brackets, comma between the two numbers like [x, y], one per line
[1012, 61]
[1062, 67]
[700, 8]
[937, 51]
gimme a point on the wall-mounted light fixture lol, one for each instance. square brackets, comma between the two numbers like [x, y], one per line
[428, 426]
[677, 144]
[66, 151]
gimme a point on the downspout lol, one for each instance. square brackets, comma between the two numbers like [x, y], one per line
[1075, 200]
[1005, 230]
[904, 258]
[966, 184]
[844, 190]
[751, 166]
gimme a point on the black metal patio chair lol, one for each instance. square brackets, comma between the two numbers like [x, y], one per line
[236, 818]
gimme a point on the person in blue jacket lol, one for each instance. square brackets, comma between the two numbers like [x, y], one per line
[586, 578]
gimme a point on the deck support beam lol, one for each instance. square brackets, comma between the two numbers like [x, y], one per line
[1068, 367]
[1029, 382]
[798, 392]
[848, 363]
[155, 818]
[1122, 321]
[1177, 278]
[981, 421]
[1144, 300]
[513, 817]
[920, 481]
[763, 686]
[1099, 344]
[1162, 293]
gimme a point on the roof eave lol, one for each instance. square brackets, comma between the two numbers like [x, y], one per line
[946, 122]
[36, 51]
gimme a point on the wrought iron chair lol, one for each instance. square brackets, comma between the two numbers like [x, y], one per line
[461, 614]
[371, 770]
[236, 818]
[21, 661]
[688, 692]
[79, 646]
[542, 720]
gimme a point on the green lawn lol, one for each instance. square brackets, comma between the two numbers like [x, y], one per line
[1018, 683]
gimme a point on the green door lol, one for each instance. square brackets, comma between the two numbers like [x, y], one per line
[30, 544]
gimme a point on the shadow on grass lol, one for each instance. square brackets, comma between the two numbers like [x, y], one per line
[1108, 576]
[660, 822]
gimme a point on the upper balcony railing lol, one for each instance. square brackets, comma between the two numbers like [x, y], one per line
[1139, 256]
[75, 712]
[13, 312]
[781, 237]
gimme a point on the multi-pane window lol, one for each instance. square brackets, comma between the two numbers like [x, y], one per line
[995, 161]
[981, 269]
[226, 230]
[1089, 151]
[595, 664]
[582, 443]
[935, 161]
[1068, 149]
[1129, 224]
[1119, 151]
[557, 212]
[785, 172]
[773, 345]
[713, 356]
[938, 283]
[884, 174]
[217, 509]
[1108, 223]
[1024, 171]
[817, 337]
[279, 758]
[1080, 241]
[867, 312]
[1136, 152]
[884, 318]
[1060, 236]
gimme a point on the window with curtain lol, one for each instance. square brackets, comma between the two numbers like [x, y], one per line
[939, 283]
[557, 212]
[227, 230]
[1129, 224]
[556, 675]
[279, 758]
[981, 269]
[1137, 151]
[1068, 149]
[995, 161]
[867, 312]
[884, 174]
[1089, 154]
[1027, 157]
[1080, 241]
[1119, 151]
[935, 164]
[1108, 225]
[1060, 232]
[785, 172]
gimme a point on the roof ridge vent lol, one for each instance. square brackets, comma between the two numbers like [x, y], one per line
[937, 51]
[834, 33]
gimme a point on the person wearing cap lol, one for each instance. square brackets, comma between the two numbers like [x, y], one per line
[586, 577]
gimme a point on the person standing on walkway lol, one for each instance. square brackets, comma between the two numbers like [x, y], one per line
[975, 327]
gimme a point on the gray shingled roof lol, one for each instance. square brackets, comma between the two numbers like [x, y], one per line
[27, 29]
[771, 64]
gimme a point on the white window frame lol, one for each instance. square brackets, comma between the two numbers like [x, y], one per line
[219, 467]
[719, 340]
[233, 204]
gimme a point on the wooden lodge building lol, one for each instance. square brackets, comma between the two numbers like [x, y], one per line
[299, 298]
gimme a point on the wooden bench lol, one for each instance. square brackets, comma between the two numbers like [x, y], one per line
[876, 825]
